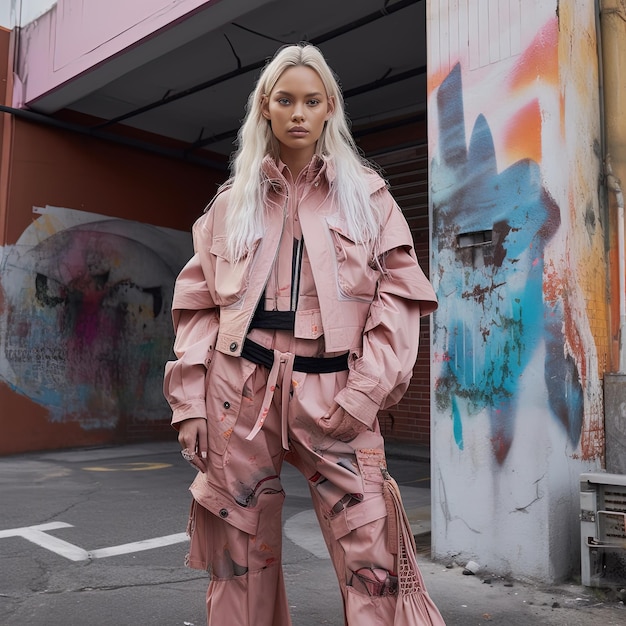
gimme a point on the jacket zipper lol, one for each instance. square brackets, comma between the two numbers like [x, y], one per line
[295, 280]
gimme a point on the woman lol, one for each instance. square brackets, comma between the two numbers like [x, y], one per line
[296, 321]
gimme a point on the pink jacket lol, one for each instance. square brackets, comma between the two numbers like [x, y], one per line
[374, 316]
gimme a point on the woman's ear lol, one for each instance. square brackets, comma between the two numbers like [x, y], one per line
[330, 107]
[265, 106]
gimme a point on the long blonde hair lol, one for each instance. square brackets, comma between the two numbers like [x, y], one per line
[244, 221]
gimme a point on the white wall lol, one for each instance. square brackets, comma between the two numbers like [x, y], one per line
[520, 337]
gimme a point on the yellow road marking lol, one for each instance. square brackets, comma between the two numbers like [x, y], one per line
[129, 467]
[417, 480]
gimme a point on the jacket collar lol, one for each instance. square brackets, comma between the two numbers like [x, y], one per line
[319, 168]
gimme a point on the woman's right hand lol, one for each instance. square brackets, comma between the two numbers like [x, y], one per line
[193, 436]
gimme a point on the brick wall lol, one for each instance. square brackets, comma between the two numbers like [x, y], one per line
[406, 168]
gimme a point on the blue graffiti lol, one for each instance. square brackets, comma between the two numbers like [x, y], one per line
[490, 233]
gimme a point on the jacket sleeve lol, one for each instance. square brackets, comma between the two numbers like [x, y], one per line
[196, 319]
[380, 375]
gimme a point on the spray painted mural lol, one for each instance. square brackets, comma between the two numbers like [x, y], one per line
[503, 276]
[85, 328]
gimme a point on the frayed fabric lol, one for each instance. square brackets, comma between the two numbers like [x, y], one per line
[414, 606]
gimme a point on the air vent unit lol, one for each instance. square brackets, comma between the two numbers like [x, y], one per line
[603, 529]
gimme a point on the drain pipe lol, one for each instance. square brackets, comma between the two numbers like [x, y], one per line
[613, 60]
[614, 184]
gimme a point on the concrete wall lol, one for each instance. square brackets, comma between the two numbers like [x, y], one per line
[615, 422]
[520, 341]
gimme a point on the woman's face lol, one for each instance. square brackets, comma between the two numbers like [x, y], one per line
[297, 108]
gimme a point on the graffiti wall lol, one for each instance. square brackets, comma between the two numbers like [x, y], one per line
[85, 326]
[520, 339]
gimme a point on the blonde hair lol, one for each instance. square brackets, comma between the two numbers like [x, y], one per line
[244, 220]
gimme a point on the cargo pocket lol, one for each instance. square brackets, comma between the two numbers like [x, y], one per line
[225, 383]
[231, 279]
[357, 279]
[381, 610]
[371, 461]
[198, 555]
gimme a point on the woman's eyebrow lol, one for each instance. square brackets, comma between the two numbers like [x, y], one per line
[308, 95]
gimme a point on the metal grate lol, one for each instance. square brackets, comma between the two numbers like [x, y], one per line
[611, 528]
[615, 499]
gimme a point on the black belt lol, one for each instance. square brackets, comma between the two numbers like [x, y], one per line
[273, 320]
[308, 364]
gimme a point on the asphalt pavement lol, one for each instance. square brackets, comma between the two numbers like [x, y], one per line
[96, 537]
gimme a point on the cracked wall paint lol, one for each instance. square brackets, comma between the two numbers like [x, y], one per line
[490, 337]
[85, 325]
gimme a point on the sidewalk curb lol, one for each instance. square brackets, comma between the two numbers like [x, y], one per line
[407, 452]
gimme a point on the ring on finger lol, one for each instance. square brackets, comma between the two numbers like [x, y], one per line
[188, 455]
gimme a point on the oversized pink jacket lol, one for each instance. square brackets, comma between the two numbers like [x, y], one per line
[373, 315]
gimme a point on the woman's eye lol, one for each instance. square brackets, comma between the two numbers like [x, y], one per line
[284, 101]
[313, 102]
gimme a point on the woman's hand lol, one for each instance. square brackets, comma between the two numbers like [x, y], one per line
[193, 438]
[339, 424]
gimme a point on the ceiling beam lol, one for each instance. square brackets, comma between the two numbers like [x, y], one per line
[355, 91]
[185, 93]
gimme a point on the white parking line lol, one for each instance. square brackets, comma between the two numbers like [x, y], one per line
[137, 546]
[36, 535]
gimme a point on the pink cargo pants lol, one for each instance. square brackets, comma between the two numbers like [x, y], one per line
[235, 521]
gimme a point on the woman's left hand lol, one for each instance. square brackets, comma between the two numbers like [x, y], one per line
[339, 424]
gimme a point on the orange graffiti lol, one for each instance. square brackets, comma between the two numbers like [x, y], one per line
[553, 287]
[522, 137]
[435, 78]
[540, 59]
[592, 440]
[556, 288]
[227, 433]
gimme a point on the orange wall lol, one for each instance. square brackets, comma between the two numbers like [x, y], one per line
[55, 167]
[84, 310]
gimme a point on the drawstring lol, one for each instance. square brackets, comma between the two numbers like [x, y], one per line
[285, 359]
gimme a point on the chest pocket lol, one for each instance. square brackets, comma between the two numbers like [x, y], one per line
[356, 278]
[231, 279]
